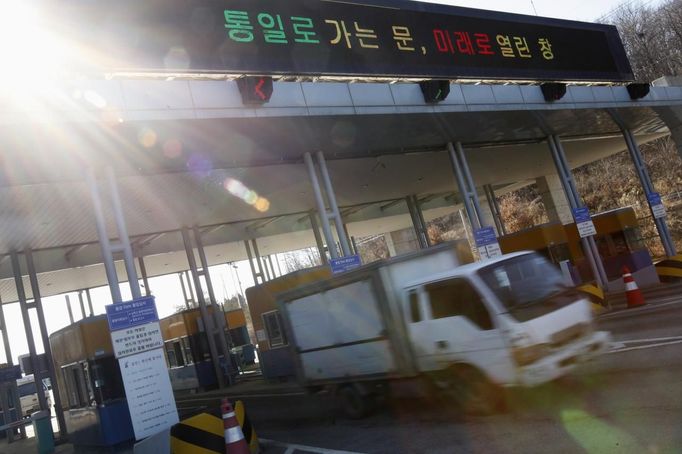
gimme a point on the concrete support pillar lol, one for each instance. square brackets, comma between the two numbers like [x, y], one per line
[554, 199]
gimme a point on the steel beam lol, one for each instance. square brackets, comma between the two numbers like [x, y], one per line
[208, 323]
[321, 206]
[35, 289]
[21, 294]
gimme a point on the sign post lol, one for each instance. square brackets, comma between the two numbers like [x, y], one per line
[486, 243]
[583, 221]
[138, 346]
[656, 204]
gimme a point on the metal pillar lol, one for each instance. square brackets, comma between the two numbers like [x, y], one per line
[184, 289]
[645, 181]
[108, 247]
[417, 221]
[208, 324]
[272, 267]
[466, 185]
[5, 337]
[494, 209]
[82, 303]
[318, 238]
[321, 206]
[37, 300]
[254, 273]
[68, 308]
[564, 171]
[218, 315]
[331, 196]
[263, 261]
[333, 213]
[89, 298]
[143, 273]
[24, 305]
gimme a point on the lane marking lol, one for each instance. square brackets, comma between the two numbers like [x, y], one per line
[652, 339]
[292, 447]
[643, 347]
[649, 307]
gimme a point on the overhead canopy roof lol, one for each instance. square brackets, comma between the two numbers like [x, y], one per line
[175, 145]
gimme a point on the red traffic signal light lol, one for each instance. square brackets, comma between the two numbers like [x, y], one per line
[255, 89]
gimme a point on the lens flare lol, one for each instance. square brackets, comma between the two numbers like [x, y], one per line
[247, 195]
[147, 137]
[172, 148]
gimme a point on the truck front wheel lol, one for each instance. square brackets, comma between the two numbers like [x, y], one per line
[470, 390]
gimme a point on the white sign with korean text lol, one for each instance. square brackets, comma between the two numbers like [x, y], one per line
[136, 339]
[149, 392]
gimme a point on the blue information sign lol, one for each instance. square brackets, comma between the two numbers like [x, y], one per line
[654, 198]
[485, 236]
[343, 264]
[581, 215]
[132, 313]
[10, 373]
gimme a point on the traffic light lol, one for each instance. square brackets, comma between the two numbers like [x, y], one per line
[255, 89]
[553, 91]
[435, 90]
[638, 90]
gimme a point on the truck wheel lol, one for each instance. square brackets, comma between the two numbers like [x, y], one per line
[473, 392]
[354, 404]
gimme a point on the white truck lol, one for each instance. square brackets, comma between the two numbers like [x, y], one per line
[467, 329]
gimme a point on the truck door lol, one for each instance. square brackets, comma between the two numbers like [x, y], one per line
[458, 327]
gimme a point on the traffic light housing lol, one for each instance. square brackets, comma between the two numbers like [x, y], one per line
[638, 90]
[435, 90]
[255, 89]
[553, 91]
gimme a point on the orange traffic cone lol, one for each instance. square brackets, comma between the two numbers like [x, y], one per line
[632, 292]
[235, 443]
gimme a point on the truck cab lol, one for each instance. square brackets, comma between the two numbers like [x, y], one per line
[28, 395]
[512, 319]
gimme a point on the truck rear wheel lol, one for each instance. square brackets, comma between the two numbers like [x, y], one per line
[353, 403]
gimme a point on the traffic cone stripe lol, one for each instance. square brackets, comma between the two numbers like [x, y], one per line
[229, 415]
[629, 286]
[233, 435]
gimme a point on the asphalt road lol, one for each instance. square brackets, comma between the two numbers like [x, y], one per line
[627, 401]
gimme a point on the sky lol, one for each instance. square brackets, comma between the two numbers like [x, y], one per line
[581, 10]
[167, 289]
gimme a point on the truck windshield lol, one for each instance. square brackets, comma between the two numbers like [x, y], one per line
[523, 283]
[26, 389]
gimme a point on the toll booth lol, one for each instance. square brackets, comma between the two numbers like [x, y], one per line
[90, 384]
[618, 239]
[274, 352]
[548, 239]
[187, 351]
[620, 243]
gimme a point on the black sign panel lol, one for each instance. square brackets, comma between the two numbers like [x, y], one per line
[381, 38]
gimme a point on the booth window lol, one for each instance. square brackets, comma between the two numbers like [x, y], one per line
[106, 380]
[634, 239]
[77, 385]
[175, 354]
[187, 347]
[273, 327]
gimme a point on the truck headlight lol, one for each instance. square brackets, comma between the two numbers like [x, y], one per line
[528, 355]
